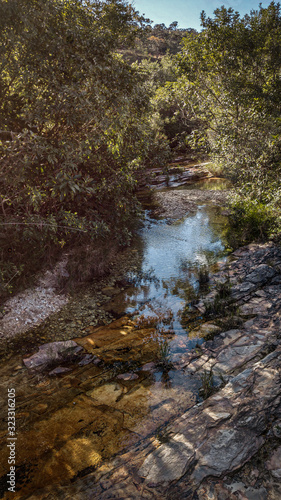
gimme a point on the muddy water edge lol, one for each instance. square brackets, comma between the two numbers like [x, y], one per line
[119, 381]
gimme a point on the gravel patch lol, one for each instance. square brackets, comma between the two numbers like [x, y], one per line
[176, 204]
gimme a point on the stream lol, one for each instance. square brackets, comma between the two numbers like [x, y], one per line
[127, 382]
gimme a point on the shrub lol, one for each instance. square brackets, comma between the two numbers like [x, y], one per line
[250, 220]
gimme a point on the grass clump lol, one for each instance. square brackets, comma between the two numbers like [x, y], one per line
[208, 384]
[230, 322]
[203, 276]
[221, 305]
[164, 356]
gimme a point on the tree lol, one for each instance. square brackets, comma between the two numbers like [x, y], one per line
[233, 67]
[75, 113]
[233, 81]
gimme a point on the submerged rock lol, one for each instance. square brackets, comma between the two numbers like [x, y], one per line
[52, 353]
[59, 370]
[128, 376]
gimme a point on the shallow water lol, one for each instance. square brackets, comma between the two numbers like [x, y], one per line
[70, 424]
[173, 254]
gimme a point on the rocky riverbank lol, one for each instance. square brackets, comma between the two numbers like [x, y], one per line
[229, 445]
[116, 416]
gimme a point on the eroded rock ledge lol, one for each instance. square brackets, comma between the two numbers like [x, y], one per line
[229, 446]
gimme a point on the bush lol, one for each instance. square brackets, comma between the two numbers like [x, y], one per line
[250, 220]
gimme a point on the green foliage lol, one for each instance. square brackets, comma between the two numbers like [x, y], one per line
[170, 114]
[158, 40]
[203, 276]
[232, 69]
[230, 322]
[221, 305]
[75, 126]
[223, 289]
[250, 220]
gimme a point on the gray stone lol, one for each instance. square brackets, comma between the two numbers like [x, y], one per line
[261, 274]
[248, 493]
[233, 357]
[53, 353]
[228, 449]
[149, 367]
[274, 463]
[169, 462]
[87, 359]
[59, 370]
[241, 380]
[240, 290]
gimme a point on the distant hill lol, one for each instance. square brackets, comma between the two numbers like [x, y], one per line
[156, 41]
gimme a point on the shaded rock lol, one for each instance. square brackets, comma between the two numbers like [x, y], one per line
[59, 370]
[53, 353]
[261, 274]
[87, 359]
[227, 450]
[149, 367]
[242, 380]
[169, 462]
[274, 463]
[127, 376]
[256, 306]
[234, 357]
[238, 291]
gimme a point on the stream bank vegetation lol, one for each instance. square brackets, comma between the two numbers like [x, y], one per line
[93, 96]
[232, 76]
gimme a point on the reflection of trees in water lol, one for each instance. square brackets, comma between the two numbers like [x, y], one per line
[155, 315]
[190, 282]
[218, 223]
[140, 277]
[180, 287]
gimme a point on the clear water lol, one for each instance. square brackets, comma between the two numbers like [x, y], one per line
[167, 282]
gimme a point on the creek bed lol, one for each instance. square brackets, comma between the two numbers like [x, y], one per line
[131, 385]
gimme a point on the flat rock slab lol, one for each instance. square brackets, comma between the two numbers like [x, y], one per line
[52, 353]
[211, 440]
[169, 462]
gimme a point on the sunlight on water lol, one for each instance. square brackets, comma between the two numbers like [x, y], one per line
[173, 253]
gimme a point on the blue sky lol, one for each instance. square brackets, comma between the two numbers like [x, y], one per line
[187, 12]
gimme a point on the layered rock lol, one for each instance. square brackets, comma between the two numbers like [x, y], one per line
[228, 446]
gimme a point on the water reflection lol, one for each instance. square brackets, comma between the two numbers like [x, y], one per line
[172, 255]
